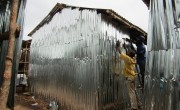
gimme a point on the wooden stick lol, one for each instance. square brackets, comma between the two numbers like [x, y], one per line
[9, 58]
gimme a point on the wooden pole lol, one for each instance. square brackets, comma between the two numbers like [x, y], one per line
[5, 35]
[9, 58]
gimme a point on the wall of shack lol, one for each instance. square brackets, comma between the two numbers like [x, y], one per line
[72, 61]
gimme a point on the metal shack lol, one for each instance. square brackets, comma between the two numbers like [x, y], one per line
[5, 12]
[71, 57]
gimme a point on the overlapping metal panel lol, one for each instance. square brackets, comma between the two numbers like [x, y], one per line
[162, 79]
[72, 61]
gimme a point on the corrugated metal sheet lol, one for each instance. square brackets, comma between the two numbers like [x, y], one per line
[162, 78]
[72, 59]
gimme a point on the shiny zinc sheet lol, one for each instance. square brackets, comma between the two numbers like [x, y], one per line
[162, 77]
[72, 61]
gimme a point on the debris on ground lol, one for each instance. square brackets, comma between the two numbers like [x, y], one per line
[26, 101]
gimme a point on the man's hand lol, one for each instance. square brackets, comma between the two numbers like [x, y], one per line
[124, 45]
[118, 46]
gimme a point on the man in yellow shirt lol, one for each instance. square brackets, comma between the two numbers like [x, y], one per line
[129, 74]
[129, 66]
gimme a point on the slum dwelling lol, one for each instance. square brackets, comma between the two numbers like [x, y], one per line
[72, 57]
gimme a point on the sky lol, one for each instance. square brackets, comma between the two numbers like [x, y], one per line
[134, 11]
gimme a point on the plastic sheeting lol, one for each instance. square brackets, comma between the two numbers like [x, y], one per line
[5, 11]
[162, 78]
[72, 61]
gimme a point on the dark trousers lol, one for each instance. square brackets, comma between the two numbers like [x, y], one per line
[142, 71]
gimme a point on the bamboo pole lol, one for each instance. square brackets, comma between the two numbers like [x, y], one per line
[9, 58]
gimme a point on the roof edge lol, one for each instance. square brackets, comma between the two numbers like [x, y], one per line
[147, 2]
[56, 8]
[131, 26]
[110, 12]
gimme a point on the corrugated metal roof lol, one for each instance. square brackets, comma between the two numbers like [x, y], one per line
[109, 12]
[147, 2]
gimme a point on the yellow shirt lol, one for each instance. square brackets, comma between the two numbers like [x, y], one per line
[129, 66]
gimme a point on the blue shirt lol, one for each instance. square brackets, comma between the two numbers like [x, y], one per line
[141, 53]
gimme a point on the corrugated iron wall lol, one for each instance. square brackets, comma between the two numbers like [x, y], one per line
[162, 79]
[5, 11]
[72, 61]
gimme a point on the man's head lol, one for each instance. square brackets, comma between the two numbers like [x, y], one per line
[140, 40]
[131, 53]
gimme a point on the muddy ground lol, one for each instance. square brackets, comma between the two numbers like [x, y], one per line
[25, 101]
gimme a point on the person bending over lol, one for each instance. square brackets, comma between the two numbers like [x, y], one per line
[129, 74]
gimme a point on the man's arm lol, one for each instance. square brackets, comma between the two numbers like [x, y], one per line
[124, 45]
[118, 48]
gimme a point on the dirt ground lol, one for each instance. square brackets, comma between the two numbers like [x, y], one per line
[24, 101]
